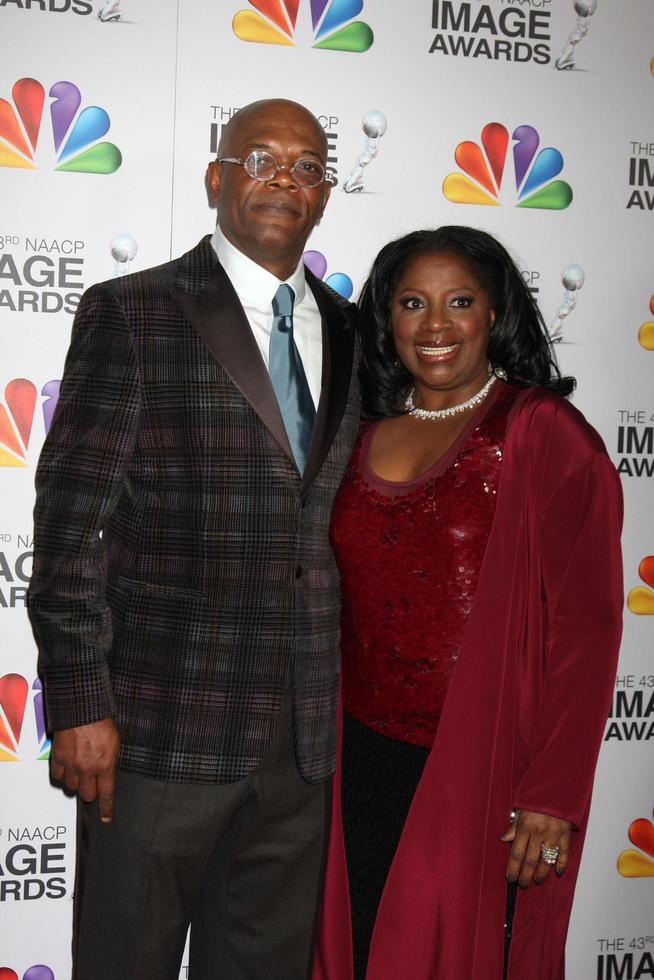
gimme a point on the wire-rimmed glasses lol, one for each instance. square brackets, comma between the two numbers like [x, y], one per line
[261, 165]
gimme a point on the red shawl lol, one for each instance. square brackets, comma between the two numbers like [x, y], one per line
[521, 727]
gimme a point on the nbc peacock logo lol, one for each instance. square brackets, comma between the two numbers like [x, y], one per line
[333, 27]
[14, 696]
[639, 863]
[17, 416]
[338, 281]
[646, 332]
[37, 972]
[484, 171]
[76, 145]
[640, 599]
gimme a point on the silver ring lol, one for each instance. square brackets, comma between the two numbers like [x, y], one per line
[548, 854]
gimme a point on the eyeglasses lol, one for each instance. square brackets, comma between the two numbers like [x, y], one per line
[263, 166]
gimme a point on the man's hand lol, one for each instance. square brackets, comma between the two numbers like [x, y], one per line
[526, 834]
[84, 759]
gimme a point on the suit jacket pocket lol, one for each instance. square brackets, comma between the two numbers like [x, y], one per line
[154, 588]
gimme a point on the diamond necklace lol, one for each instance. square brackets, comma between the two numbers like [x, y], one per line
[445, 413]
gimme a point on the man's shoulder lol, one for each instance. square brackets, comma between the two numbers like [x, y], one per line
[159, 279]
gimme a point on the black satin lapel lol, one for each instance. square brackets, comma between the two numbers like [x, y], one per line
[219, 319]
[337, 354]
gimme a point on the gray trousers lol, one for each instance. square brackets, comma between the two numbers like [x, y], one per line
[241, 863]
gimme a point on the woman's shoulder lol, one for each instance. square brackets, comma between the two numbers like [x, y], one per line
[545, 416]
[549, 442]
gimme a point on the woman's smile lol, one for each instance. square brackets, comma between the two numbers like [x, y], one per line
[437, 353]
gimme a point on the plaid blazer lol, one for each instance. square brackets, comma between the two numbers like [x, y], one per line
[182, 566]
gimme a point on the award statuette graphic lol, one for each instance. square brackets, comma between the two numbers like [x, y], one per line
[374, 127]
[584, 10]
[123, 250]
[109, 10]
[573, 278]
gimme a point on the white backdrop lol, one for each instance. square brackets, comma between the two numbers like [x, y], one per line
[167, 74]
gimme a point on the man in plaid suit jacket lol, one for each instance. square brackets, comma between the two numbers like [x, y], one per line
[185, 598]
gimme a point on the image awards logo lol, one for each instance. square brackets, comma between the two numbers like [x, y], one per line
[646, 332]
[17, 416]
[636, 864]
[75, 136]
[332, 22]
[14, 690]
[36, 972]
[338, 281]
[484, 166]
[640, 600]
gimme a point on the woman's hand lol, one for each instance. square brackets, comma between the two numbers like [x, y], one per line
[526, 834]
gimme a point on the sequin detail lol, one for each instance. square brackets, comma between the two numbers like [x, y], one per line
[409, 557]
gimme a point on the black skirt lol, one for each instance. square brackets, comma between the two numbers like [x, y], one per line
[379, 779]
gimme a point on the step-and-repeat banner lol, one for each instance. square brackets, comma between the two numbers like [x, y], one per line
[531, 119]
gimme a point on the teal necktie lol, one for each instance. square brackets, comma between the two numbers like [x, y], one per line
[288, 377]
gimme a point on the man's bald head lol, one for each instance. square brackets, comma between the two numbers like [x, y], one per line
[278, 110]
[275, 110]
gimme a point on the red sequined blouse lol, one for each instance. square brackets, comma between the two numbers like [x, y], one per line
[409, 555]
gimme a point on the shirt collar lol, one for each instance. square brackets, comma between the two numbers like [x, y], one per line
[254, 285]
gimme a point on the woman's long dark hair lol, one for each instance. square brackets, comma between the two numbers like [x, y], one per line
[519, 342]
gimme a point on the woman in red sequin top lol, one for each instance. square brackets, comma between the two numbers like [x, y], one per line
[473, 491]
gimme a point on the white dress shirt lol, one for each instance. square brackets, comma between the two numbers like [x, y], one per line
[255, 287]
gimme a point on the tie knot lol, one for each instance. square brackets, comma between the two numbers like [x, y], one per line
[283, 300]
